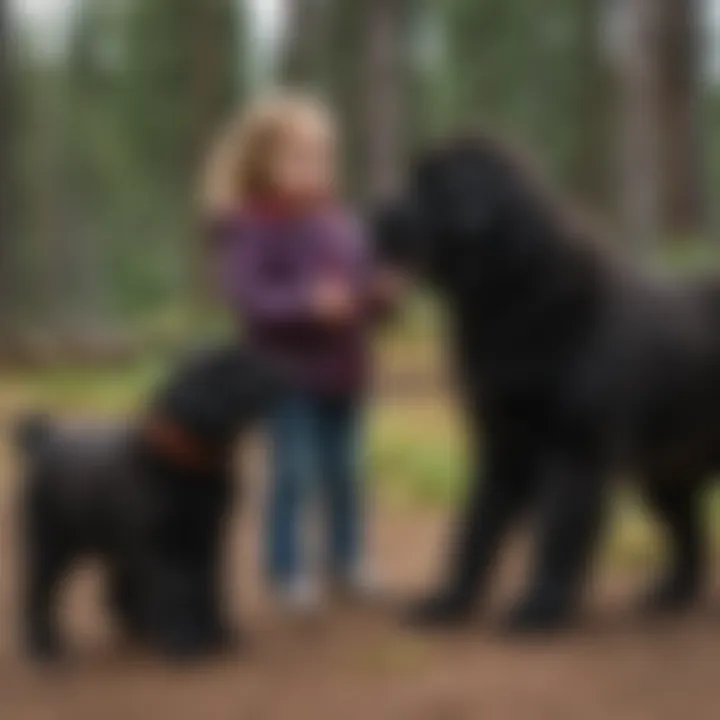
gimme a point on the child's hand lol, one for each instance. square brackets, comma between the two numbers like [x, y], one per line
[333, 302]
[389, 286]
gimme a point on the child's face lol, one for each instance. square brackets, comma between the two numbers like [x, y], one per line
[303, 164]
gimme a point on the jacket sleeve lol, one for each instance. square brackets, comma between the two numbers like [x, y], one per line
[263, 288]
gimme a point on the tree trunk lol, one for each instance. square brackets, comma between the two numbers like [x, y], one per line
[78, 237]
[215, 80]
[385, 89]
[305, 44]
[8, 196]
[590, 171]
[659, 89]
[678, 58]
[367, 81]
[639, 131]
[341, 78]
[215, 85]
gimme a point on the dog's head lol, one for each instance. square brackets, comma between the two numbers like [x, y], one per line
[218, 392]
[456, 202]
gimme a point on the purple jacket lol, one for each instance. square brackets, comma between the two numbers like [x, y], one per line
[270, 267]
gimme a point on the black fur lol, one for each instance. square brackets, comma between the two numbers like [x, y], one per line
[156, 523]
[31, 432]
[575, 367]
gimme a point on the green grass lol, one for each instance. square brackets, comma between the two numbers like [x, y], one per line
[68, 390]
[416, 451]
[688, 256]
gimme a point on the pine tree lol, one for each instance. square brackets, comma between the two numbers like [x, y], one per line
[533, 72]
[368, 83]
[385, 90]
[342, 81]
[679, 98]
[185, 71]
[8, 197]
[658, 78]
[304, 54]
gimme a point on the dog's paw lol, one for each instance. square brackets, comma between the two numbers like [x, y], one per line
[228, 641]
[536, 614]
[221, 641]
[184, 648]
[438, 611]
[183, 653]
[670, 596]
[44, 649]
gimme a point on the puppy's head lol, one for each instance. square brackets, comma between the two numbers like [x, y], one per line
[454, 203]
[218, 392]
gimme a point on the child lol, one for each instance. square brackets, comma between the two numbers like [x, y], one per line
[295, 268]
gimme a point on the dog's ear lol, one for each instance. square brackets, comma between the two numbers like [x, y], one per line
[397, 234]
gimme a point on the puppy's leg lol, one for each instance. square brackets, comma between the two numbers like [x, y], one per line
[570, 517]
[167, 592]
[46, 561]
[183, 567]
[126, 602]
[162, 559]
[677, 504]
[495, 503]
[176, 601]
[220, 633]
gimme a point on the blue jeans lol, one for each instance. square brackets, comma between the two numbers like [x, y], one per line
[314, 443]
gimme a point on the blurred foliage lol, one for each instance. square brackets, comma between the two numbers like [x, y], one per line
[531, 70]
[113, 129]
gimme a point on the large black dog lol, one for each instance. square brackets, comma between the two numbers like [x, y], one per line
[149, 498]
[574, 365]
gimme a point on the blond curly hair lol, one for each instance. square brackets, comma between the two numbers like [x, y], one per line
[238, 164]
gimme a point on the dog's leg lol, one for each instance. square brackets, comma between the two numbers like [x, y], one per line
[569, 522]
[167, 604]
[221, 634]
[175, 598]
[161, 559]
[46, 561]
[126, 602]
[495, 502]
[182, 565]
[677, 504]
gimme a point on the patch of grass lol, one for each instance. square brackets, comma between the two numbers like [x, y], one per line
[419, 474]
[418, 456]
[688, 255]
[416, 452]
[397, 657]
[82, 390]
[633, 538]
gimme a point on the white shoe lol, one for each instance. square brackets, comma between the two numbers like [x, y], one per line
[302, 596]
[363, 584]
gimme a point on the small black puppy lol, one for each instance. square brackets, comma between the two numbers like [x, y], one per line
[149, 498]
[576, 367]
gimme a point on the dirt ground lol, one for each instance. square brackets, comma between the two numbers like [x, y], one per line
[361, 663]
